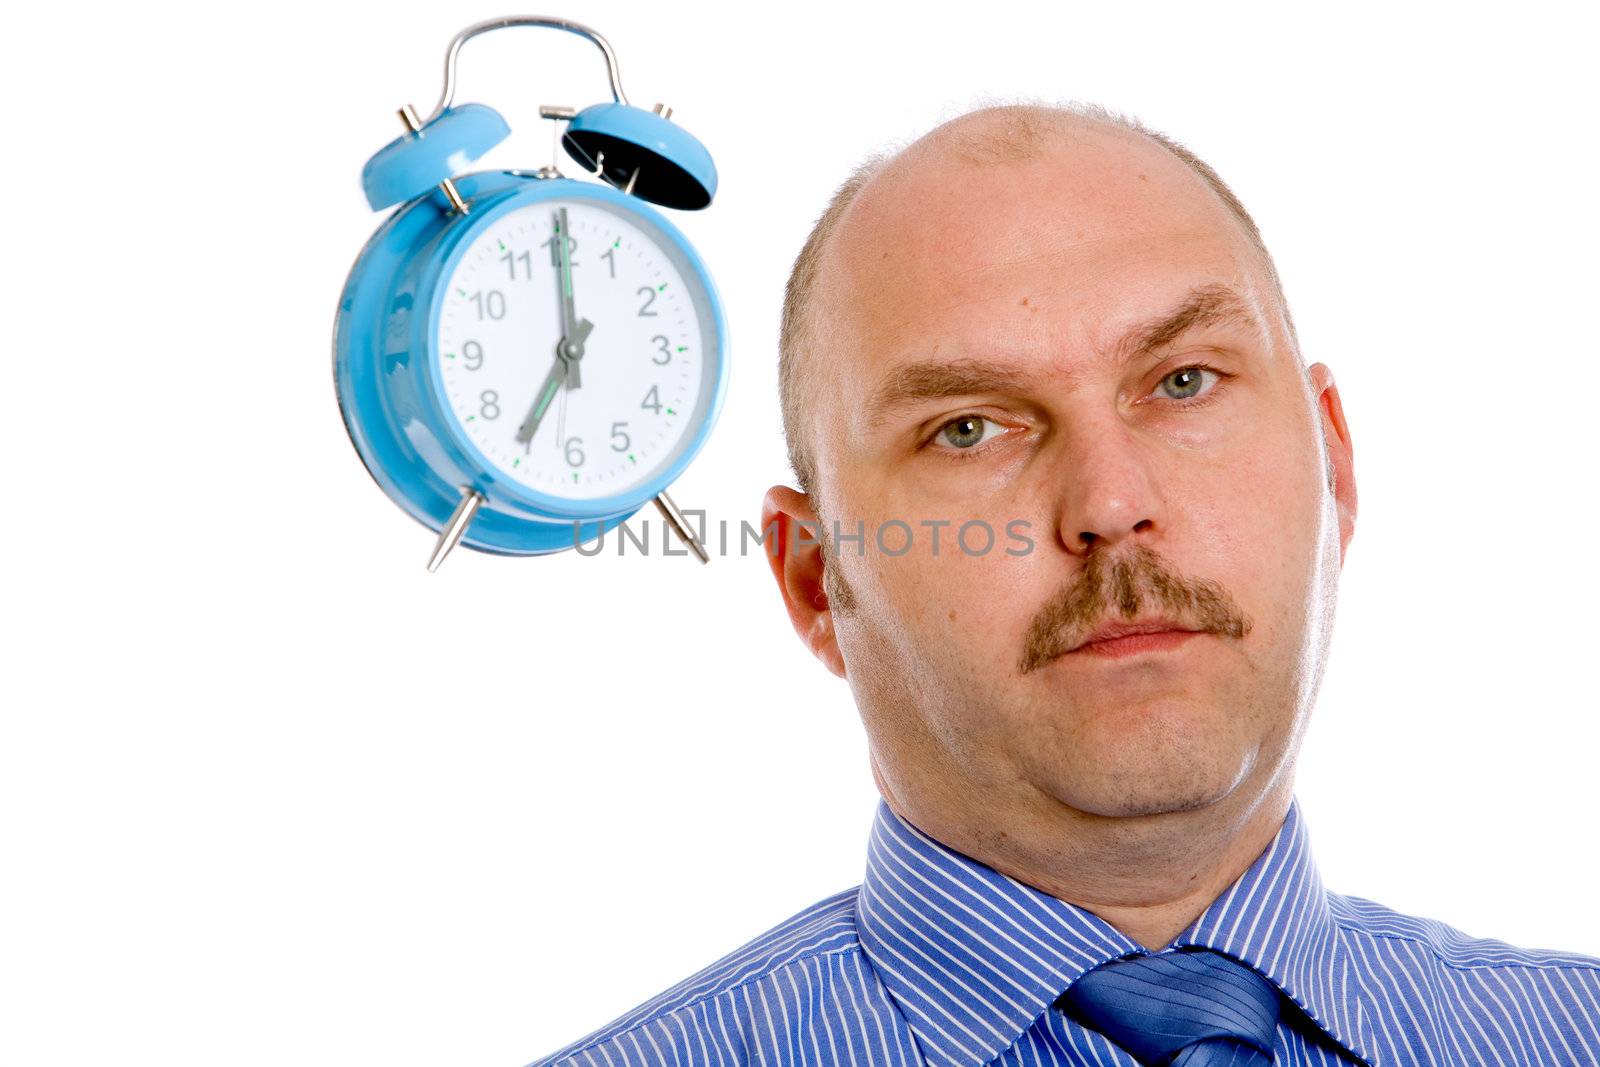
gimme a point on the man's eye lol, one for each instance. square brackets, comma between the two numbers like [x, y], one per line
[967, 431]
[1186, 382]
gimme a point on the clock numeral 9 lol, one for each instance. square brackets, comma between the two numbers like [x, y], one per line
[574, 449]
[616, 432]
[471, 355]
[489, 404]
[490, 305]
[666, 352]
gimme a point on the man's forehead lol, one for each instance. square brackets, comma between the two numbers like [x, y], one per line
[931, 215]
[1092, 172]
[1097, 230]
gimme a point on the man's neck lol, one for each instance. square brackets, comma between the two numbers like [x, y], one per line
[1152, 876]
[1169, 907]
[1148, 876]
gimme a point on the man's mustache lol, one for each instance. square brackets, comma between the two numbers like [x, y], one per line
[1129, 585]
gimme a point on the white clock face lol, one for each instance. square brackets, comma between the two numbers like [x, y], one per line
[633, 383]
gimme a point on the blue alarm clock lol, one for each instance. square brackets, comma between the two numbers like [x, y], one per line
[523, 360]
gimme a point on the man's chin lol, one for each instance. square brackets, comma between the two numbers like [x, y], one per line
[1147, 803]
[1131, 784]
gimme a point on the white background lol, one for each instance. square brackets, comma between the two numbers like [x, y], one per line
[273, 794]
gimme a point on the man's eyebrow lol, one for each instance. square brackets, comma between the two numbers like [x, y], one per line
[915, 382]
[1205, 305]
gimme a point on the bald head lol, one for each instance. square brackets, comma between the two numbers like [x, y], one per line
[1038, 377]
[1105, 147]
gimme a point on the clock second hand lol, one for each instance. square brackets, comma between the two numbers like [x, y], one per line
[561, 408]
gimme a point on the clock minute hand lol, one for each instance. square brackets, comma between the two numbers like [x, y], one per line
[569, 313]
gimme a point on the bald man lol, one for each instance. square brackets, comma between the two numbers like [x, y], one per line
[1070, 519]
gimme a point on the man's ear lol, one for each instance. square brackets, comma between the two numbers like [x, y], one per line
[1341, 456]
[795, 556]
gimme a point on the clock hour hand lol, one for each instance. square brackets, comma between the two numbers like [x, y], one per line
[565, 369]
[541, 403]
[570, 350]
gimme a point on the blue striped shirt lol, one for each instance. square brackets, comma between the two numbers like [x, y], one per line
[941, 960]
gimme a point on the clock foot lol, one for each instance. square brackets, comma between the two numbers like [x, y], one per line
[450, 536]
[674, 517]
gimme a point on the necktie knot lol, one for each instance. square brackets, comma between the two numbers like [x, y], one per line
[1189, 1007]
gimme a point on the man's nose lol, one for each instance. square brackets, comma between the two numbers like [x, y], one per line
[1107, 486]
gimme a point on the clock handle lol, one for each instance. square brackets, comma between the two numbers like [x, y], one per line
[674, 517]
[450, 536]
[447, 97]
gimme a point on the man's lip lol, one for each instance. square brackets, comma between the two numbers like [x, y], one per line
[1112, 631]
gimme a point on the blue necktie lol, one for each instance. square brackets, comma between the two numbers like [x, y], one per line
[1186, 1008]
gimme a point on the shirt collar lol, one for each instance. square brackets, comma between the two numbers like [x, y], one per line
[973, 957]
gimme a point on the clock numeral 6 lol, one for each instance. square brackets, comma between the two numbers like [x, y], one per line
[616, 432]
[471, 355]
[489, 404]
[666, 352]
[574, 449]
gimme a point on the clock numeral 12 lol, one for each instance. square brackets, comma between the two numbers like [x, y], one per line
[555, 253]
